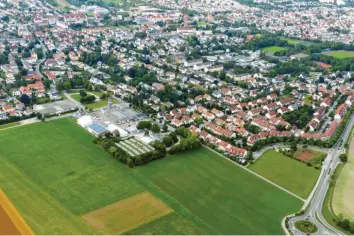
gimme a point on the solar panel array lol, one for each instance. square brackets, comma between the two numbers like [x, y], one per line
[97, 128]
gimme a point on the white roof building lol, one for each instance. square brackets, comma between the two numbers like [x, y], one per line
[85, 121]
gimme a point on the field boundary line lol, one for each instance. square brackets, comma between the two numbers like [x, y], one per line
[14, 215]
[259, 176]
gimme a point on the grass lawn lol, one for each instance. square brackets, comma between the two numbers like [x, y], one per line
[54, 175]
[213, 189]
[291, 174]
[344, 191]
[293, 41]
[99, 104]
[273, 49]
[9, 125]
[341, 54]
[308, 99]
[94, 105]
[306, 226]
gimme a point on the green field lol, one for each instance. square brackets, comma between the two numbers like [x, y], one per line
[293, 41]
[291, 174]
[273, 49]
[54, 175]
[341, 54]
[214, 190]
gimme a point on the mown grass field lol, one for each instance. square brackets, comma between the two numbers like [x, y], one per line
[341, 54]
[291, 174]
[54, 175]
[273, 49]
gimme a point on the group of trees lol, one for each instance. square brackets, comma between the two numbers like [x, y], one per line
[148, 125]
[86, 98]
[188, 141]
[345, 224]
[299, 117]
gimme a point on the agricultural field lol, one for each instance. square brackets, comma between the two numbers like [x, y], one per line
[11, 221]
[273, 49]
[344, 192]
[289, 173]
[81, 189]
[211, 188]
[340, 54]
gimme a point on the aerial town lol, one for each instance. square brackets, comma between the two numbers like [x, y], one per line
[266, 86]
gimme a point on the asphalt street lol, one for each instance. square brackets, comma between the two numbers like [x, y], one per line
[314, 210]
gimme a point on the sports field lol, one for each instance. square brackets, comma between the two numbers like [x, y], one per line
[344, 191]
[273, 49]
[55, 176]
[341, 54]
[291, 174]
[312, 157]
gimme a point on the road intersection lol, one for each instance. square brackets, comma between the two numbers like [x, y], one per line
[313, 206]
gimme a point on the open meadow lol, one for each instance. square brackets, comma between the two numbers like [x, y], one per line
[344, 192]
[289, 173]
[340, 54]
[273, 49]
[62, 183]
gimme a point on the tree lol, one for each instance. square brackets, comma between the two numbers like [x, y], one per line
[167, 140]
[144, 124]
[116, 133]
[83, 93]
[198, 121]
[25, 99]
[293, 146]
[130, 163]
[174, 137]
[343, 157]
[165, 127]
[47, 83]
[155, 128]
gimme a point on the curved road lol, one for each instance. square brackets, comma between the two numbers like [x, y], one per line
[313, 212]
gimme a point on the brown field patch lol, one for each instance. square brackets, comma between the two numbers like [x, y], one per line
[305, 155]
[127, 214]
[11, 222]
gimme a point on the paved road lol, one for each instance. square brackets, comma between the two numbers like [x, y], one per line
[78, 104]
[314, 210]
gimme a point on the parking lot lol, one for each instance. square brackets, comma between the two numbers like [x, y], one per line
[120, 114]
[55, 107]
